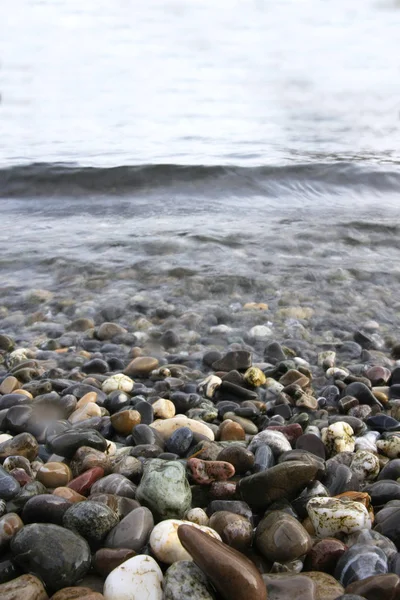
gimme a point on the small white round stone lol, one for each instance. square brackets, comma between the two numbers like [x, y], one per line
[165, 543]
[167, 426]
[197, 515]
[119, 381]
[164, 409]
[209, 385]
[330, 516]
[138, 578]
[260, 332]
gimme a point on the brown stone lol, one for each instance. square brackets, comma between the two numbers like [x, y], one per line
[77, 593]
[205, 472]
[23, 444]
[229, 430]
[8, 385]
[235, 530]
[108, 559]
[83, 483]
[141, 366]
[26, 587]
[89, 397]
[324, 555]
[54, 474]
[241, 458]
[377, 587]
[281, 538]
[10, 524]
[125, 420]
[68, 494]
[86, 458]
[107, 331]
[234, 575]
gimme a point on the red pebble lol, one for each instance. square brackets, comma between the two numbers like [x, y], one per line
[21, 476]
[205, 472]
[292, 431]
[83, 483]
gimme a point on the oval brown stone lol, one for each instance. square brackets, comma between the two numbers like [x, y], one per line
[125, 420]
[229, 430]
[234, 575]
[235, 530]
[54, 474]
[108, 559]
[324, 555]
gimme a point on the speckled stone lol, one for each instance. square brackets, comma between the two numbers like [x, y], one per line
[331, 516]
[338, 437]
[281, 538]
[114, 484]
[164, 489]
[205, 472]
[23, 444]
[184, 580]
[91, 520]
[365, 465]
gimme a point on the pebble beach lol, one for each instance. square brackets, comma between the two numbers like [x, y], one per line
[223, 454]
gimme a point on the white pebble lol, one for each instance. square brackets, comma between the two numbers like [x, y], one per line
[119, 381]
[138, 578]
[197, 515]
[330, 516]
[338, 437]
[165, 543]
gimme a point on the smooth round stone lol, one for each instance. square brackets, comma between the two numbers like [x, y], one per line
[25, 587]
[87, 411]
[165, 543]
[312, 444]
[10, 524]
[129, 466]
[144, 434]
[168, 426]
[281, 538]
[285, 480]
[84, 482]
[68, 494]
[13, 462]
[263, 459]
[61, 557]
[205, 472]
[338, 437]
[331, 516]
[88, 458]
[92, 520]
[114, 484]
[183, 580]
[10, 400]
[23, 444]
[196, 515]
[382, 423]
[145, 410]
[54, 474]
[163, 409]
[108, 559]
[119, 382]
[391, 470]
[382, 491]
[17, 418]
[340, 478]
[369, 537]
[125, 420]
[360, 562]
[324, 555]
[233, 575]
[68, 442]
[387, 522]
[180, 441]
[313, 585]
[231, 431]
[133, 531]
[241, 458]
[377, 587]
[164, 489]
[233, 506]
[138, 578]
[141, 366]
[45, 508]
[276, 440]
[292, 432]
[9, 487]
[235, 530]
[96, 365]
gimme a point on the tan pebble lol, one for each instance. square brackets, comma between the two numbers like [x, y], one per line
[308, 526]
[248, 426]
[8, 385]
[24, 392]
[86, 412]
[54, 474]
[230, 431]
[77, 593]
[164, 409]
[125, 420]
[167, 426]
[141, 366]
[255, 306]
[89, 397]
[255, 377]
[25, 587]
[69, 494]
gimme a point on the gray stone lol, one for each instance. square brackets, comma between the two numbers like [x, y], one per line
[184, 580]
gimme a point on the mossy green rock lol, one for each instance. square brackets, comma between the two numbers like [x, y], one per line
[164, 489]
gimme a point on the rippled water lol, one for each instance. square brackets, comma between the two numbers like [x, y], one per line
[286, 119]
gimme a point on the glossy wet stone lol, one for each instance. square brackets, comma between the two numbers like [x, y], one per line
[91, 520]
[241, 458]
[45, 508]
[125, 420]
[180, 441]
[360, 562]
[164, 489]
[229, 430]
[377, 587]
[61, 556]
[331, 516]
[77, 593]
[383, 491]
[183, 580]
[26, 587]
[165, 544]
[133, 531]
[280, 538]
[67, 443]
[54, 474]
[387, 522]
[10, 524]
[205, 472]
[233, 575]
[119, 504]
[107, 559]
[68, 494]
[282, 481]
[276, 440]
[23, 444]
[9, 487]
[84, 482]
[235, 530]
[114, 484]
[137, 578]
[324, 555]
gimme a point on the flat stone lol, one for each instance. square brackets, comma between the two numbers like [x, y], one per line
[324, 555]
[141, 366]
[166, 427]
[133, 531]
[84, 482]
[205, 472]
[233, 575]
[77, 593]
[107, 331]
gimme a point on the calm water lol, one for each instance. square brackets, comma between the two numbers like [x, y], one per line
[296, 105]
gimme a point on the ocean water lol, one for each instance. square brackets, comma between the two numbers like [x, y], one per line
[202, 150]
